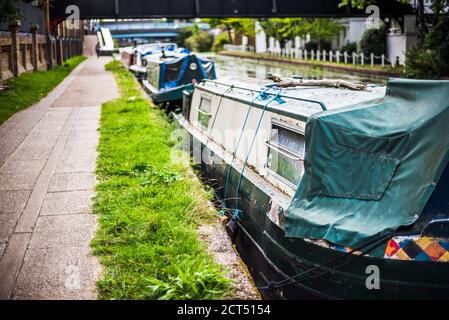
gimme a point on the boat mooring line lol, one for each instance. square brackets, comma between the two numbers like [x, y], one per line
[236, 210]
[235, 152]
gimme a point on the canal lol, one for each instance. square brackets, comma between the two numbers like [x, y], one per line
[234, 68]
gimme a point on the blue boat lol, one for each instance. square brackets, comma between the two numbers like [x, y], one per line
[168, 75]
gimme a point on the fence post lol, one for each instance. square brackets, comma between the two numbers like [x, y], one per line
[324, 55]
[305, 54]
[346, 57]
[34, 28]
[331, 56]
[362, 56]
[353, 58]
[14, 28]
[312, 54]
[318, 55]
[372, 60]
[338, 56]
[383, 60]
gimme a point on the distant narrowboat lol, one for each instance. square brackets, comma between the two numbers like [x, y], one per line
[168, 76]
[331, 193]
[134, 57]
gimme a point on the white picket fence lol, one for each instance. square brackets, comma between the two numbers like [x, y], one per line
[317, 55]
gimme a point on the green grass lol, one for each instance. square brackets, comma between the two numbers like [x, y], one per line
[149, 208]
[31, 87]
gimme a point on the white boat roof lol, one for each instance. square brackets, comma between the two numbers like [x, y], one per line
[331, 98]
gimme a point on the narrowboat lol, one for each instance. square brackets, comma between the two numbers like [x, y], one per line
[169, 75]
[133, 57]
[330, 193]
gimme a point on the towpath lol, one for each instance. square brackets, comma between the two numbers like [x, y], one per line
[47, 179]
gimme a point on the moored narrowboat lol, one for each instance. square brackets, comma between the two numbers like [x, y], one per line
[168, 76]
[331, 193]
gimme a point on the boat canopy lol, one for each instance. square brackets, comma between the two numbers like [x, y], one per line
[183, 69]
[370, 168]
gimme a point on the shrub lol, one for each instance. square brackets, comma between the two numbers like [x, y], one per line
[311, 45]
[422, 63]
[350, 47]
[200, 42]
[318, 45]
[220, 41]
[183, 35]
[432, 60]
[374, 41]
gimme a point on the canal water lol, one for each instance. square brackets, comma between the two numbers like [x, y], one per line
[232, 67]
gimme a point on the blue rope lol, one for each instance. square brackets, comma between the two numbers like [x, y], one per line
[236, 214]
[222, 211]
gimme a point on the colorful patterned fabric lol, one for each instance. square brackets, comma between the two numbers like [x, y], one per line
[418, 249]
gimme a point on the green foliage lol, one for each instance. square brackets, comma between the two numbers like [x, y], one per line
[374, 41]
[220, 41]
[149, 208]
[200, 41]
[422, 63]
[349, 47]
[432, 59]
[183, 35]
[362, 4]
[195, 39]
[8, 11]
[243, 26]
[189, 284]
[31, 87]
[283, 29]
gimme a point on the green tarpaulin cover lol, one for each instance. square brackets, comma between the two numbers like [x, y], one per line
[370, 168]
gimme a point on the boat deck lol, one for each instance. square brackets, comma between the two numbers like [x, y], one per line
[299, 102]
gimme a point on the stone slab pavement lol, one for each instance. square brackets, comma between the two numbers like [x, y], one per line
[47, 180]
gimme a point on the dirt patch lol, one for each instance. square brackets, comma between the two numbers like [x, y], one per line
[220, 245]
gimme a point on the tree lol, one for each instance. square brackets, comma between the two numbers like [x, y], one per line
[319, 29]
[431, 58]
[324, 30]
[244, 26]
[361, 4]
[8, 11]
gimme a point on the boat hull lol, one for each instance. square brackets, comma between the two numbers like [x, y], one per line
[270, 256]
[169, 95]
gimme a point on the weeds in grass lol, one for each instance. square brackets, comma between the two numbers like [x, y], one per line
[149, 208]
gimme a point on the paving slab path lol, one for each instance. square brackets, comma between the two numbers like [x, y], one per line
[47, 180]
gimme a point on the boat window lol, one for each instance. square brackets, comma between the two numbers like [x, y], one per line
[173, 69]
[204, 114]
[286, 154]
[153, 74]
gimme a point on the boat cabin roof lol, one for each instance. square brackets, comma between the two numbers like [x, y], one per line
[297, 102]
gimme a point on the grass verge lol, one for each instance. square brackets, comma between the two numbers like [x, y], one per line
[149, 208]
[31, 87]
